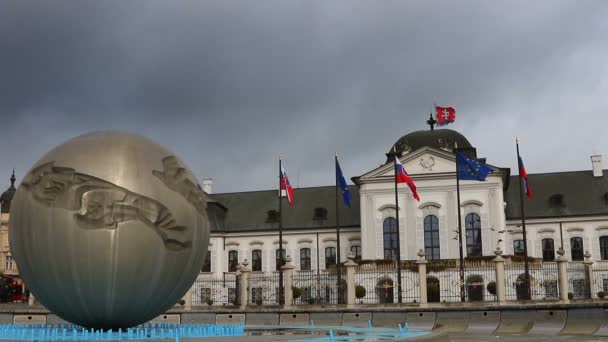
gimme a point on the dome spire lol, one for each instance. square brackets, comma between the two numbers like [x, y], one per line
[431, 121]
[13, 179]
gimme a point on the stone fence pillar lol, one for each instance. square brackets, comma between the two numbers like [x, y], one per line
[499, 264]
[350, 266]
[422, 277]
[188, 299]
[288, 281]
[589, 274]
[562, 265]
[243, 280]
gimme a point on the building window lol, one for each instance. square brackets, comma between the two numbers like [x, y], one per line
[431, 237]
[233, 261]
[576, 249]
[9, 262]
[305, 259]
[207, 264]
[356, 252]
[279, 259]
[330, 257]
[256, 260]
[390, 238]
[473, 231]
[518, 248]
[604, 247]
[548, 250]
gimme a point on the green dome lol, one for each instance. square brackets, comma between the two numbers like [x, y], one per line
[444, 139]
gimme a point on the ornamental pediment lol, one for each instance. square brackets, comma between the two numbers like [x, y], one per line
[424, 161]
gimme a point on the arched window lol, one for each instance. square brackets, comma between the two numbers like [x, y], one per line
[279, 259]
[431, 237]
[604, 247]
[390, 238]
[330, 257]
[473, 231]
[548, 249]
[305, 259]
[233, 261]
[518, 248]
[256, 260]
[207, 265]
[576, 249]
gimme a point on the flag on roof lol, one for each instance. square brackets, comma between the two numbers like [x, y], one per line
[445, 115]
[285, 185]
[401, 176]
[342, 185]
[524, 175]
[469, 169]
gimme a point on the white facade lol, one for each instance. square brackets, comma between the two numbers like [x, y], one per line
[433, 171]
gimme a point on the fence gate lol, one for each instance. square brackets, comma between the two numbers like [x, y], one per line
[264, 288]
[213, 290]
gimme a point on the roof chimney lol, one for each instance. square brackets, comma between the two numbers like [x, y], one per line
[208, 185]
[596, 164]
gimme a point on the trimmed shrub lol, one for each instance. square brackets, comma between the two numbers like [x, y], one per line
[360, 291]
[297, 292]
[491, 287]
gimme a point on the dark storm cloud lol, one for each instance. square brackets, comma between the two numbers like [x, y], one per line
[228, 85]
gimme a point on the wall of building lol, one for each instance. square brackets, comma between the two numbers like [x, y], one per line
[293, 240]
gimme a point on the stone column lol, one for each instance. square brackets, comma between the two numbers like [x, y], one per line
[244, 284]
[188, 298]
[422, 276]
[499, 264]
[31, 300]
[562, 265]
[351, 266]
[288, 281]
[589, 274]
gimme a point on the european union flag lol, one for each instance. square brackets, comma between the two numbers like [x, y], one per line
[469, 169]
[342, 185]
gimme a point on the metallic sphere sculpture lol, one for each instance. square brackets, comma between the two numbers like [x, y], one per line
[109, 230]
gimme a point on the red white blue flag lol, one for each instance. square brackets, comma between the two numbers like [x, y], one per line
[403, 177]
[285, 185]
[445, 115]
[524, 175]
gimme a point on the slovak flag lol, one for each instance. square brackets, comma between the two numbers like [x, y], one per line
[445, 115]
[285, 185]
[524, 175]
[403, 177]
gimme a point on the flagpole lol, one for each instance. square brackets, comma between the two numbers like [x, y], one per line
[281, 296]
[462, 294]
[523, 228]
[400, 299]
[339, 275]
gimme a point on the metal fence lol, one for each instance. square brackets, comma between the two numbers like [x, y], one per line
[578, 281]
[376, 282]
[320, 287]
[544, 281]
[212, 290]
[264, 288]
[444, 281]
[599, 279]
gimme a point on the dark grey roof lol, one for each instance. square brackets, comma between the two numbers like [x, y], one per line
[248, 211]
[560, 194]
[7, 196]
[439, 138]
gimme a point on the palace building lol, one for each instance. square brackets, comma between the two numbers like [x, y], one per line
[569, 211]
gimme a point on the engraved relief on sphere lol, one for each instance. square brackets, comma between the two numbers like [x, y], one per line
[109, 229]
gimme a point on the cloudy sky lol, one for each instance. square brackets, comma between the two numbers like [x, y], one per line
[228, 85]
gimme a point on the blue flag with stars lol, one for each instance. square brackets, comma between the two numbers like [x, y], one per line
[469, 169]
[342, 185]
